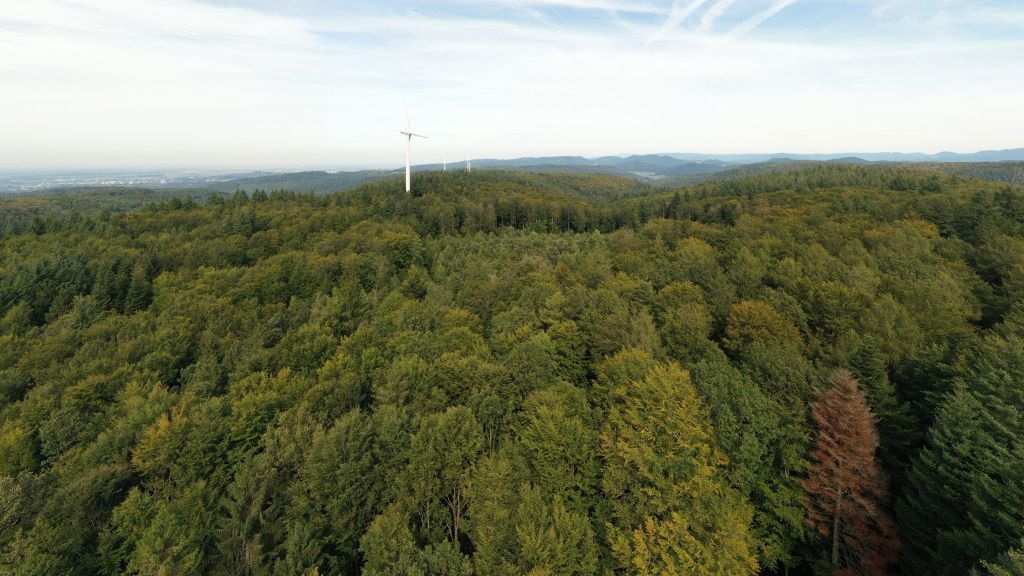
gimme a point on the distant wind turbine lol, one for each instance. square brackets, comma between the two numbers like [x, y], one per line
[469, 163]
[444, 164]
[408, 133]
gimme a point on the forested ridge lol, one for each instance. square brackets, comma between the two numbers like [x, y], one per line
[819, 372]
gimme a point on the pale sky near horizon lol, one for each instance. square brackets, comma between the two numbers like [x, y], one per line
[238, 84]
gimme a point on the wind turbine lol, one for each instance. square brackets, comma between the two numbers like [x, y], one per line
[408, 133]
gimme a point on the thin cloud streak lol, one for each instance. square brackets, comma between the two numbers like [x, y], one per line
[676, 16]
[750, 24]
[714, 13]
[987, 17]
[604, 5]
[181, 19]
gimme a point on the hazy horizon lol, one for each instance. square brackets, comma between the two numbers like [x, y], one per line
[215, 170]
[251, 84]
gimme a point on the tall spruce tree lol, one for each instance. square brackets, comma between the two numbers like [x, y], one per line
[961, 502]
[897, 427]
[847, 492]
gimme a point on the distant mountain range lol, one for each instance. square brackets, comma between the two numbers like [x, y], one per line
[672, 168]
[667, 169]
[660, 169]
[1013, 154]
[650, 166]
[669, 165]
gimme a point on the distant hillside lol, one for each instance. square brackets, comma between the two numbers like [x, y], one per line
[1014, 154]
[503, 182]
[569, 169]
[21, 212]
[652, 168]
[1009, 172]
[662, 169]
[317, 182]
[647, 167]
[774, 166]
[675, 169]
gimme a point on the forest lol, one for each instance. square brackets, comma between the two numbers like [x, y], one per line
[805, 373]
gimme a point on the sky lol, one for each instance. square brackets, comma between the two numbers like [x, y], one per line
[246, 84]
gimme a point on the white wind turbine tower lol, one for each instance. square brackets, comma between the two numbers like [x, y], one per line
[408, 133]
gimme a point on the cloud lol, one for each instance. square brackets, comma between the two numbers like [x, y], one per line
[181, 83]
[990, 16]
[637, 7]
[181, 19]
[756, 20]
[676, 16]
[714, 13]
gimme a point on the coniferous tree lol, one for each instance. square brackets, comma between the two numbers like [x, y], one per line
[961, 502]
[897, 427]
[1009, 563]
[138, 295]
[846, 490]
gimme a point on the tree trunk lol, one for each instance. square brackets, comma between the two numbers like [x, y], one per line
[835, 530]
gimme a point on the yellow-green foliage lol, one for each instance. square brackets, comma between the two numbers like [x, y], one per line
[672, 509]
[492, 376]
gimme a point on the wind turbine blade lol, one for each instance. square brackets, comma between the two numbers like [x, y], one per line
[408, 119]
[418, 135]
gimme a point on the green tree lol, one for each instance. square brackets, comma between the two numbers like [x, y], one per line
[766, 450]
[390, 550]
[344, 482]
[179, 538]
[1009, 563]
[671, 506]
[441, 454]
[138, 294]
[551, 539]
[685, 322]
[522, 529]
[559, 446]
[960, 501]
[897, 427]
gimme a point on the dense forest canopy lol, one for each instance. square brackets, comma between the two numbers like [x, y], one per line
[511, 373]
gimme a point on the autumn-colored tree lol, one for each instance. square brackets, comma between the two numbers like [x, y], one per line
[846, 489]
